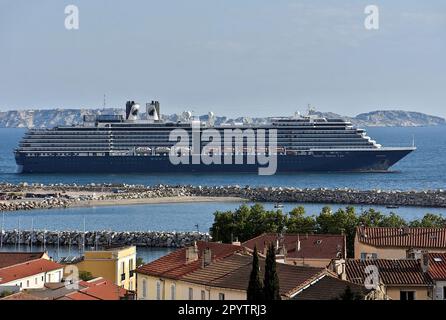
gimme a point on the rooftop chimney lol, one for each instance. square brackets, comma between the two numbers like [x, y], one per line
[425, 261]
[207, 257]
[192, 253]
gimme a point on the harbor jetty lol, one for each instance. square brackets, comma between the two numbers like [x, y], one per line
[161, 239]
[25, 196]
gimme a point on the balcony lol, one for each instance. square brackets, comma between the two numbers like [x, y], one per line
[122, 276]
[132, 273]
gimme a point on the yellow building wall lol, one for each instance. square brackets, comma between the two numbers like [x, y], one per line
[182, 290]
[108, 264]
[421, 293]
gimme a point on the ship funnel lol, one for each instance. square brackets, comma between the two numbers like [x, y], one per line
[131, 110]
[153, 111]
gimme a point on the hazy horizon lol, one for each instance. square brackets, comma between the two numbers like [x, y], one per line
[253, 58]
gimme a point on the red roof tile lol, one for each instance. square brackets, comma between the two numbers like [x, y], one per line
[103, 290]
[437, 266]
[27, 269]
[391, 272]
[78, 296]
[316, 246]
[22, 296]
[174, 265]
[329, 288]
[403, 237]
[233, 272]
[8, 259]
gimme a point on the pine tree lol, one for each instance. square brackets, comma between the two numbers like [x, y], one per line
[271, 280]
[255, 287]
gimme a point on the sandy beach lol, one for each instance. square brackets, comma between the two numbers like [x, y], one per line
[164, 200]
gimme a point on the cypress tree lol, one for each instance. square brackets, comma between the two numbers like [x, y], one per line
[255, 287]
[271, 280]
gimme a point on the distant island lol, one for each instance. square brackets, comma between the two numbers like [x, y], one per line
[55, 117]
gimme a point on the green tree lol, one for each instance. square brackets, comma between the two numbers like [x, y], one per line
[298, 222]
[85, 275]
[430, 220]
[255, 287]
[139, 261]
[223, 227]
[271, 280]
[348, 294]
[392, 221]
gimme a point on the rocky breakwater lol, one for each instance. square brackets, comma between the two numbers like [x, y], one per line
[430, 198]
[98, 192]
[103, 238]
[34, 204]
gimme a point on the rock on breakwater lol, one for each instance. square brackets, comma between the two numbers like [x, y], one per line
[103, 238]
[73, 194]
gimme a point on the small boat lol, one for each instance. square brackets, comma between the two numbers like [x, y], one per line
[278, 206]
[392, 207]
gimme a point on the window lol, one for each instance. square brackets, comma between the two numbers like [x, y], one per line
[144, 288]
[407, 295]
[203, 295]
[173, 293]
[221, 296]
[27, 283]
[130, 264]
[35, 280]
[158, 290]
[363, 256]
[191, 294]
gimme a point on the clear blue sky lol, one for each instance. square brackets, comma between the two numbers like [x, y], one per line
[233, 57]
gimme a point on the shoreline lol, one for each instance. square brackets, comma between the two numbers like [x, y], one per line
[164, 200]
[38, 196]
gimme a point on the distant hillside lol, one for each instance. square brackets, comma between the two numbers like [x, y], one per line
[390, 118]
[55, 117]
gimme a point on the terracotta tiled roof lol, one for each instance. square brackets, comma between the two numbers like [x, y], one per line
[27, 269]
[391, 272]
[103, 290]
[174, 265]
[22, 296]
[403, 237]
[8, 259]
[78, 296]
[233, 272]
[437, 266]
[96, 289]
[317, 246]
[329, 288]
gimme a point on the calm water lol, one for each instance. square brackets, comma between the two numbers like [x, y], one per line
[423, 169]
[147, 254]
[157, 217]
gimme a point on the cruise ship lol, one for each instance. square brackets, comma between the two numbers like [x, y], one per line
[132, 143]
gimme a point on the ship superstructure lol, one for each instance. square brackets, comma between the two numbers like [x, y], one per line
[130, 143]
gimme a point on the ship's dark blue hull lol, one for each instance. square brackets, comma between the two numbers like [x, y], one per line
[354, 160]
